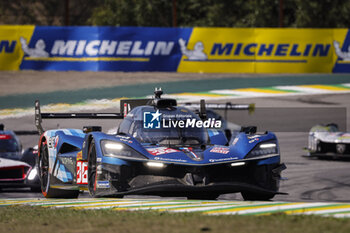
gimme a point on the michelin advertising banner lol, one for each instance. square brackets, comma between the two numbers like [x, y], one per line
[219, 50]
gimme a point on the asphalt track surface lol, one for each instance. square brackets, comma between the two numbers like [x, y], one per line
[308, 180]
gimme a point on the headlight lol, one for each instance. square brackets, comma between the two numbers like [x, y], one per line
[119, 150]
[155, 164]
[265, 148]
[32, 174]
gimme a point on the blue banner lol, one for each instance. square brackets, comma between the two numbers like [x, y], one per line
[104, 48]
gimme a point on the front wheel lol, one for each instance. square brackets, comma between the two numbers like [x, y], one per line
[92, 179]
[45, 178]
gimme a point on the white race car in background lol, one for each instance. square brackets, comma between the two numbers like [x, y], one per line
[17, 167]
[327, 140]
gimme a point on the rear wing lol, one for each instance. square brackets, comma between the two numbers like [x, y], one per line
[20, 132]
[39, 116]
[223, 106]
[126, 105]
[26, 132]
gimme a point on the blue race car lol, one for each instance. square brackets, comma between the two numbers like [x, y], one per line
[159, 149]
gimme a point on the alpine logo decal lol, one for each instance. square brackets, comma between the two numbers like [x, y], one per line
[161, 151]
[220, 150]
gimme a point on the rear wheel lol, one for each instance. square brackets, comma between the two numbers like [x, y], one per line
[45, 178]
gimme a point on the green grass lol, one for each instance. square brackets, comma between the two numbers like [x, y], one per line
[38, 219]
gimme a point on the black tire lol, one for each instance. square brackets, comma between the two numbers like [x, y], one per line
[251, 196]
[45, 178]
[92, 169]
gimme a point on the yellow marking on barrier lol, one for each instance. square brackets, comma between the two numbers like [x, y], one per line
[259, 90]
[235, 209]
[199, 94]
[327, 87]
[87, 59]
[301, 211]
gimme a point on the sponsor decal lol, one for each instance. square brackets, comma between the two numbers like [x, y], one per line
[91, 48]
[197, 54]
[222, 159]
[56, 141]
[235, 141]
[79, 155]
[5, 137]
[254, 136]
[157, 120]
[254, 140]
[126, 109]
[262, 50]
[123, 137]
[170, 160]
[102, 184]
[7, 46]
[270, 49]
[254, 50]
[161, 150]
[82, 172]
[126, 139]
[53, 141]
[220, 150]
[102, 48]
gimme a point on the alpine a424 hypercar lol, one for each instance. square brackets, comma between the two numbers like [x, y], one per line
[159, 149]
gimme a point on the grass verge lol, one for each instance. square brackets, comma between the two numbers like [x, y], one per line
[37, 219]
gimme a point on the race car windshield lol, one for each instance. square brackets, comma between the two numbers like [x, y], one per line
[8, 145]
[170, 136]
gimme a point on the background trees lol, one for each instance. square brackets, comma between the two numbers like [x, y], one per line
[189, 13]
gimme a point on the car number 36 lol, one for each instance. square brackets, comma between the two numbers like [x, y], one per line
[82, 170]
